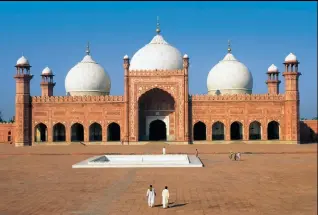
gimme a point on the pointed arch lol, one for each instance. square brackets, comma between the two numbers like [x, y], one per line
[218, 131]
[199, 131]
[40, 133]
[236, 131]
[59, 132]
[255, 130]
[113, 132]
[77, 132]
[157, 130]
[95, 132]
[273, 130]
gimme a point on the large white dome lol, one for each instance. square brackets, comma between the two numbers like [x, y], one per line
[229, 76]
[158, 54]
[87, 78]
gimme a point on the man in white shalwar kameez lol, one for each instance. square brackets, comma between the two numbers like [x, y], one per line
[151, 194]
[165, 197]
[164, 150]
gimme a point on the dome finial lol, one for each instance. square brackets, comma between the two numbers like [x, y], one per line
[158, 26]
[87, 49]
[229, 50]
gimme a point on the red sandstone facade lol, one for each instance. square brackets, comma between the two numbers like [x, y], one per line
[156, 103]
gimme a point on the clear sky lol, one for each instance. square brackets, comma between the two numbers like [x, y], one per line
[55, 34]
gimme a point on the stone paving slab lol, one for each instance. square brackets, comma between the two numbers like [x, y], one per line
[259, 184]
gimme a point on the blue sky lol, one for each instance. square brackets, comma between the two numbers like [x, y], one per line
[55, 34]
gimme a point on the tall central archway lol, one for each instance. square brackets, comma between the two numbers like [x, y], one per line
[157, 130]
[156, 104]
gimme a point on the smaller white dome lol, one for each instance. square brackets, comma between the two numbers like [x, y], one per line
[291, 58]
[47, 71]
[272, 68]
[185, 56]
[22, 61]
[229, 76]
[126, 57]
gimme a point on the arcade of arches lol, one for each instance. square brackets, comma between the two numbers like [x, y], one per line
[156, 116]
[157, 128]
[77, 132]
[236, 131]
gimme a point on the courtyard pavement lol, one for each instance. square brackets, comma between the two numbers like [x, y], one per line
[270, 179]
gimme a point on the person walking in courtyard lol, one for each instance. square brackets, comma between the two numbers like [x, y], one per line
[196, 153]
[151, 194]
[164, 150]
[165, 197]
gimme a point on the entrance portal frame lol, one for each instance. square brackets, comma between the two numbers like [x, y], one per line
[172, 82]
[150, 119]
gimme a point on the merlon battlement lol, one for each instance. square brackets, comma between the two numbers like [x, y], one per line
[76, 99]
[239, 97]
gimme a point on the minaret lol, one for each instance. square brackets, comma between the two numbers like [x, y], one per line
[186, 98]
[126, 65]
[291, 76]
[47, 83]
[273, 80]
[23, 134]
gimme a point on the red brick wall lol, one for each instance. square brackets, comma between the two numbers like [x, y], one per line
[6, 132]
[309, 131]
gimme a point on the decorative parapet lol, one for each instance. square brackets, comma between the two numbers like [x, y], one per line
[155, 72]
[7, 123]
[238, 97]
[77, 99]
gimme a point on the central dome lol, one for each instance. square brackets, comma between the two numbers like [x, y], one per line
[87, 78]
[157, 55]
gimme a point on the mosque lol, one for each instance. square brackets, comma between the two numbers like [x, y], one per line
[156, 105]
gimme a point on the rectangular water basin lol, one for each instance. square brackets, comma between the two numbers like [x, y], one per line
[124, 161]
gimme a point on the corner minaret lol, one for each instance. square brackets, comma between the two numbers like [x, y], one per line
[273, 80]
[186, 98]
[23, 128]
[126, 65]
[47, 83]
[291, 76]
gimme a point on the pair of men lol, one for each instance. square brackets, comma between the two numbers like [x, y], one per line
[151, 194]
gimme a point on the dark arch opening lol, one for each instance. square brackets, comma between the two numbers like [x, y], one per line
[255, 131]
[95, 132]
[113, 132]
[77, 131]
[199, 131]
[9, 136]
[273, 130]
[157, 130]
[59, 133]
[155, 102]
[40, 133]
[218, 131]
[236, 131]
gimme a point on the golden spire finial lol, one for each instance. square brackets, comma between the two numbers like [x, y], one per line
[158, 26]
[229, 46]
[87, 49]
